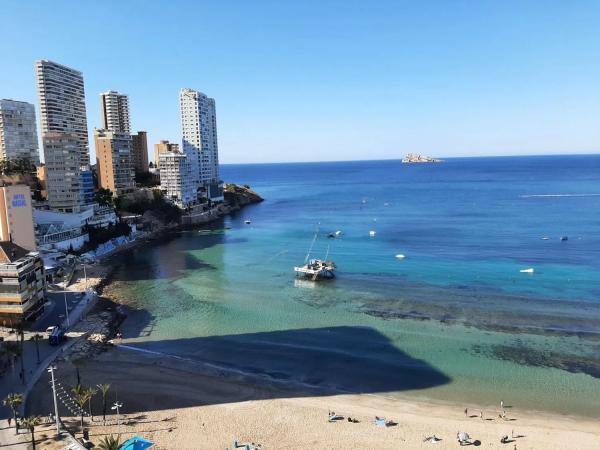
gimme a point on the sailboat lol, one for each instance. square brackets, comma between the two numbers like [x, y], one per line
[316, 269]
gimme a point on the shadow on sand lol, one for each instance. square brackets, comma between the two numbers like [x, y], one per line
[290, 363]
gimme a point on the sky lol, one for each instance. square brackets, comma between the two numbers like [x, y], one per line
[330, 80]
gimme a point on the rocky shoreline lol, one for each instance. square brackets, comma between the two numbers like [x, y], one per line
[102, 323]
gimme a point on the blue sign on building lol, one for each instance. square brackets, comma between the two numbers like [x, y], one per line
[19, 201]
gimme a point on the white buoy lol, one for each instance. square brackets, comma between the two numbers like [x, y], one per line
[530, 270]
[400, 256]
[372, 233]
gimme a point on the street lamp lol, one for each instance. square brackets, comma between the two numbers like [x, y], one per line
[116, 405]
[67, 310]
[51, 370]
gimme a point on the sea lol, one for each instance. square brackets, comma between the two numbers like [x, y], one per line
[432, 305]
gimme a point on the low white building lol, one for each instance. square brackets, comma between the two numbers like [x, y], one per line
[61, 231]
[178, 179]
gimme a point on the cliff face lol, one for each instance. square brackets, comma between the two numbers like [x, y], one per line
[237, 196]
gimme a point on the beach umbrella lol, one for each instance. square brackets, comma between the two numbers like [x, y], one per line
[136, 443]
[463, 437]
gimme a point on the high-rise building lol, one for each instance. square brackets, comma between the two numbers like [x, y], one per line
[199, 129]
[177, 178]
[114, 111]
[113, 156]
[16, 215]
[62, 103]
[163, 147]
[139, 152]
[18, 133]
[62, 152]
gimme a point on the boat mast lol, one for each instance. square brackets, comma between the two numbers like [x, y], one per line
[311, 246]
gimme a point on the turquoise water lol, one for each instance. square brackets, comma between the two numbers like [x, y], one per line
[455, 320]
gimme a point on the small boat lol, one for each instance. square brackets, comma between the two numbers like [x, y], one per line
[529, 270]
[334, 234]
[564, 238]
[545, 238]
[316, 269]
[247, 222]
[400, 256]
[372, 233]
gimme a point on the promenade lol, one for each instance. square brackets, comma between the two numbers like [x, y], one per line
[12, 381]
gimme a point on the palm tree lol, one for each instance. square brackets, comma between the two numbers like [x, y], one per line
[110, 443]
[14, 400]
[91, 392]
[20, 330]
[30, 423]
[81, 397]
[12, 351]
[77, 363]
[104, 389]
[37, 338]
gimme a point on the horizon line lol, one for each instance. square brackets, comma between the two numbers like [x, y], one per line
[596, 153]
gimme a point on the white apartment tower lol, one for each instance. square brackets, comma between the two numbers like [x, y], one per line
[114, 111]
[18, 133]
[199, 129]
[178, 179]
[62, 103]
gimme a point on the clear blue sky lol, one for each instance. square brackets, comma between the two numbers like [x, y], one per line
[330, 80]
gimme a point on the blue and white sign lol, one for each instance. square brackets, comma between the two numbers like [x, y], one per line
[19, 201]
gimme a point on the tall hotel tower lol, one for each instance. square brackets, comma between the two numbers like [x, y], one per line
[64, 133]
[114, 111]
[199, 128]
[62, 103]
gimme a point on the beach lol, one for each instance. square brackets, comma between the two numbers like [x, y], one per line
[179, 406]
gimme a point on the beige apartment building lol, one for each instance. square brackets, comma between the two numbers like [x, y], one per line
[22, 284]
[162, 147]
[16, 216]
[139, 152]
[42, 176]
[113, 156]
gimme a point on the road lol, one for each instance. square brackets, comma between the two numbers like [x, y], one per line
[54, 310]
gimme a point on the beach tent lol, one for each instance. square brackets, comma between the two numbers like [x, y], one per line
[136, 443]
[463, 437]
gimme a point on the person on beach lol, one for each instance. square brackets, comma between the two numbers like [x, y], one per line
[501, 404]
[9, 421]
[481, 415]
[466, 412]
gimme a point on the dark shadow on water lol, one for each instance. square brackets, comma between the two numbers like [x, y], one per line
[168, 256]
[296, 363]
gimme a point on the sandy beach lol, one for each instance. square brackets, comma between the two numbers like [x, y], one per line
[180, 405]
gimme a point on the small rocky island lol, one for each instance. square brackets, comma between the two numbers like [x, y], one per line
[412, 158]
[237, 196]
